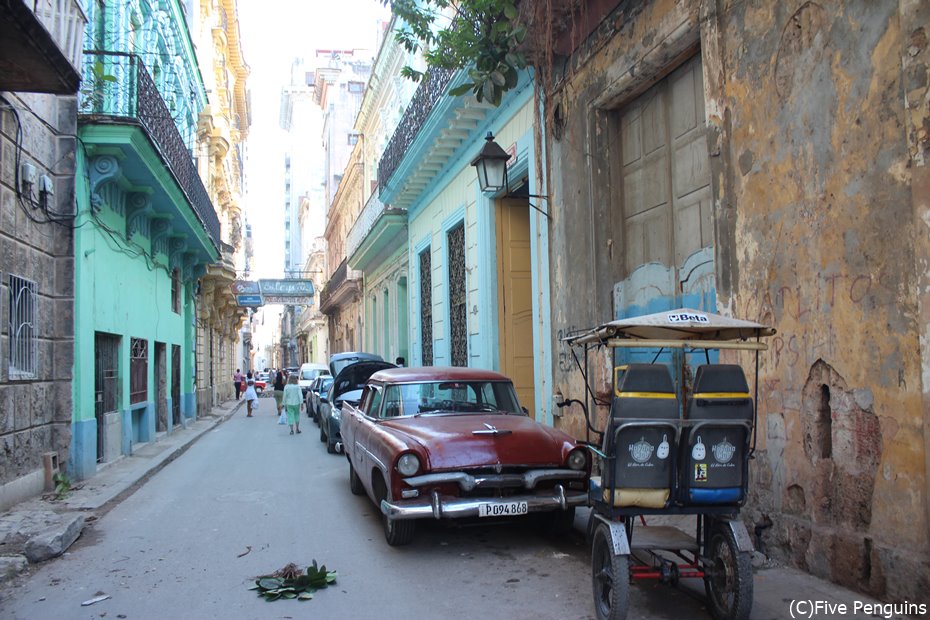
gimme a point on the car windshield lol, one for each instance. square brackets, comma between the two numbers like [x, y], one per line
[450, 397]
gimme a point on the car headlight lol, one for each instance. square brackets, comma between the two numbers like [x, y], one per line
[577, 459]
[408, 464]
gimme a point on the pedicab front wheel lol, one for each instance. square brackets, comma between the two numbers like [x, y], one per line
[728, 577]
[610, 574]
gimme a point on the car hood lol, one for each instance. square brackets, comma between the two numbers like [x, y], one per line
[469, 440]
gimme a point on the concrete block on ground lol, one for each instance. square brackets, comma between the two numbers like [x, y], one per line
[54, 541]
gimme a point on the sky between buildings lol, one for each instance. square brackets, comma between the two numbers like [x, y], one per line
[274, 33]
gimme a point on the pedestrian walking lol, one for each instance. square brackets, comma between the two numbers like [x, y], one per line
[279, 391]
[237, 382]
[292, 400]
[251, 397]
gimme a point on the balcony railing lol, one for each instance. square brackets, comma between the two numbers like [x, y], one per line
[117, 85]
[421, 106]
[65, 21]
[363, 224]
[338, 277]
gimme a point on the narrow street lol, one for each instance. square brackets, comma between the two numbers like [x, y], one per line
[247, 499]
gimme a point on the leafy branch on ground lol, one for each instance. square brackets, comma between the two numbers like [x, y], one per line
[62, 484]
[481, 35]
[291, 582]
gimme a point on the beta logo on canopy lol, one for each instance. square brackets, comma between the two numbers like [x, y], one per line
[687, 317]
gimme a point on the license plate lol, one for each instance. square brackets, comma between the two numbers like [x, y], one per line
[504, 509]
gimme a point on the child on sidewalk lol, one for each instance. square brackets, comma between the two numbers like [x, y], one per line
[251, 397]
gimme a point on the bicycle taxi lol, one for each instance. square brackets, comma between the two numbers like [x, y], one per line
[673, 444]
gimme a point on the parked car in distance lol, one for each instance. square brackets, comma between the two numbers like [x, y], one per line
[307, 373]
[260, 385]
[346, 388]
[449, 442]
[318, 388]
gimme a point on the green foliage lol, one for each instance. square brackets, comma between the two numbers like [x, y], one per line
[62, 484]
[483, 35]
[289, 584]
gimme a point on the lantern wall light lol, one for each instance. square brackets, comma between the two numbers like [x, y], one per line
[491, 166]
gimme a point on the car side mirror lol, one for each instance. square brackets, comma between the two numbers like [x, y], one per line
[525, 410]
[323, 399]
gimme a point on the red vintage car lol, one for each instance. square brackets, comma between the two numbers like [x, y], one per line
[444, 442]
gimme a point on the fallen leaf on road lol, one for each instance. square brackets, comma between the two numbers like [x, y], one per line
[248, 549]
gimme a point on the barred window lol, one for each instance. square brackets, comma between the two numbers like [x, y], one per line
[458, 315]
[139, 371]
[22, 328]
[176, 291]
[426, 307]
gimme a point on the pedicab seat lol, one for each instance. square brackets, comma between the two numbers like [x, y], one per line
[642, 435]
[716, 439]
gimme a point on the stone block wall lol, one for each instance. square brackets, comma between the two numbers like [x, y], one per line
[36, 411]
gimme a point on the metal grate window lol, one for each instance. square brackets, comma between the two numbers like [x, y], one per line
[139, 371]
[176, 291]
[22, 328]
[457, 296]
[426, 307]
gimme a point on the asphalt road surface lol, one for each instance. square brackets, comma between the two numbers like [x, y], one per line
[248, 498]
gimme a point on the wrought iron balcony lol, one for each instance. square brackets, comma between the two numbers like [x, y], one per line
[421, 106]
[42, 42]
[117, 88]
[376, 233]
[343, 285]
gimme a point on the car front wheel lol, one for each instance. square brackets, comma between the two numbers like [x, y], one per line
[355, 483]
[397, 532]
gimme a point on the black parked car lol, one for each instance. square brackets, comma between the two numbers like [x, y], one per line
[347, 386]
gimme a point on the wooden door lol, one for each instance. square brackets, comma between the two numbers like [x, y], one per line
[515, 301]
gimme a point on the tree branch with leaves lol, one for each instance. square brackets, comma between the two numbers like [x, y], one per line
[481, 36]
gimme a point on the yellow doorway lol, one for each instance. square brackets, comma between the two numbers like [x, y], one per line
[514, 298]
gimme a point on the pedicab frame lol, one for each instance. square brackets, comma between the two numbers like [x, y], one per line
[720, 551]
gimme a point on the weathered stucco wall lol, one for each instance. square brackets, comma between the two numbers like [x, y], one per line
[820, 230]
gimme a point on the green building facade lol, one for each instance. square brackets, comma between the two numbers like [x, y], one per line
[145, 230]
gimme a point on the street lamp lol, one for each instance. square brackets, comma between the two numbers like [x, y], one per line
[491, 165]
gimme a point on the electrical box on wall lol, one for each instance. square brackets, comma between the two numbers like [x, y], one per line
[46, 185]
[27, 174]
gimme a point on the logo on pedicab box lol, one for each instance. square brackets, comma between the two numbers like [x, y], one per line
[723, 451]
[700, 472]
[641, 450]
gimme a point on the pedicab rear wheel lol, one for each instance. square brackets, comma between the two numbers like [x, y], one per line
[610, 576]
[728, 577]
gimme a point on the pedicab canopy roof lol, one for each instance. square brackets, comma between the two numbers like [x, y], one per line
[683, 327]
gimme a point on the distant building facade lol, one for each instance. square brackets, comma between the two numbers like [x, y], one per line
[222, 129]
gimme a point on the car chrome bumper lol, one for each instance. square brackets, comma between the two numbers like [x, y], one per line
[445, 507]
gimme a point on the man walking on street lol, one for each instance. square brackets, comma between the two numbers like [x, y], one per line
[237, 382]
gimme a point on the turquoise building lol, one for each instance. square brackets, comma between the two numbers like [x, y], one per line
[477, 264]
[145, 229]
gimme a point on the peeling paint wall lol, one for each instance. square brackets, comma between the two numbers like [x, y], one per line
[818, 128]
